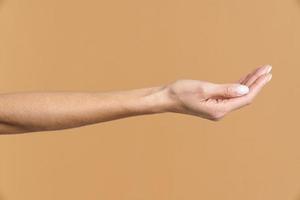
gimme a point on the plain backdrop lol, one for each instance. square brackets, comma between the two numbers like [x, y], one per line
[91, 45]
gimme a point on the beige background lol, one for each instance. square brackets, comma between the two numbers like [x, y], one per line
[253, 154]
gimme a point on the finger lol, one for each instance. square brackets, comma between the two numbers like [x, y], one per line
[259, 72]
[255, 88]
[241, 80]
[246, 77]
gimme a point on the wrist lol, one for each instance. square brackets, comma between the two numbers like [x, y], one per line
[158, 100]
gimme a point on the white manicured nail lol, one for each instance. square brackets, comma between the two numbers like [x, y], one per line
[269, 78]
[242, 89]
[269, 68]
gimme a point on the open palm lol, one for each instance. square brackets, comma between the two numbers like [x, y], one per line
[213, 101]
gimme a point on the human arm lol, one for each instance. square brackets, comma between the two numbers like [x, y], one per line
[44, 111]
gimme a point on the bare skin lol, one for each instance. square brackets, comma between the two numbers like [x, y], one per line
[45, 111]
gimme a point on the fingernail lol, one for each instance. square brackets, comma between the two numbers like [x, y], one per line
[269, 68]
[242, 89]
[269, 78]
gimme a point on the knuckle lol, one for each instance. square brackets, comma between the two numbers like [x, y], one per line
[227, 92]
[255, 76]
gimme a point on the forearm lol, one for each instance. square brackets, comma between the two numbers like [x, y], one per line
[41, 111]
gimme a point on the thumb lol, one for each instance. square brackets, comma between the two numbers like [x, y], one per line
[228, 90]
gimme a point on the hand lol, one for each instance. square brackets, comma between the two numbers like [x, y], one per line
[213, 101]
